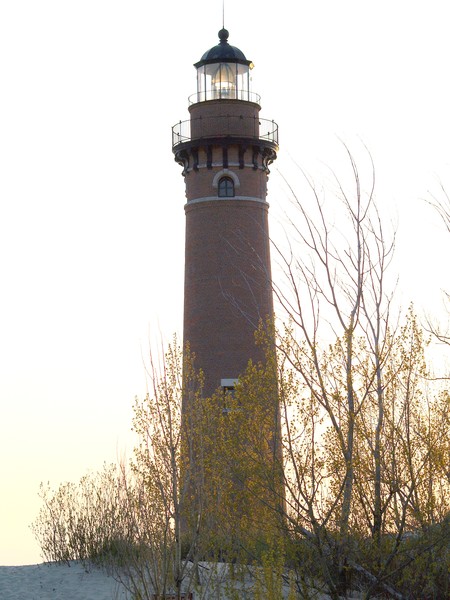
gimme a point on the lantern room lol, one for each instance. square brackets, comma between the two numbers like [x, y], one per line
[223, 73]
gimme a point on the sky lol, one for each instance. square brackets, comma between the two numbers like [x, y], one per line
[91, 200]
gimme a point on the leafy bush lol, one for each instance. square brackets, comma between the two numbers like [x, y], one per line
[84, 522]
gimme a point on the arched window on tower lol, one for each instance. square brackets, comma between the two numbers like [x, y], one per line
[226, 187]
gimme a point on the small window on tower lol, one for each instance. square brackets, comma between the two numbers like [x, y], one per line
[226, 187]
[228, 388]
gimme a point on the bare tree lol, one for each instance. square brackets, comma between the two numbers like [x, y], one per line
[334, 295]
[364, 430]
[441, 204]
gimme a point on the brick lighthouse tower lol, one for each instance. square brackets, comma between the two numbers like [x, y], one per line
[225, 149]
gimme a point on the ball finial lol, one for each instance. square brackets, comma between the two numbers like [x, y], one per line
[223, 36]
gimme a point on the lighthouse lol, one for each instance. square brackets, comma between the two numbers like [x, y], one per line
[225, 149]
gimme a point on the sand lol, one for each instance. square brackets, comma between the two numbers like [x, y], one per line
[58, 582]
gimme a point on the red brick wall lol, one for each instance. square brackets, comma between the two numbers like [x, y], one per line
[224, 117]
[253, 182]
[227, 284]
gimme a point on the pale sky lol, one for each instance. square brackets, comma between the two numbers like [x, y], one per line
[92, 220]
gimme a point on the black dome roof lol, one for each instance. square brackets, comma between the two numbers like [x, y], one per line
[223, 52]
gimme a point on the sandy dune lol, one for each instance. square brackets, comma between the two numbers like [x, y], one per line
[57, 582]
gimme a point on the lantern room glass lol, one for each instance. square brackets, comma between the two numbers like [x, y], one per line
[222, 81]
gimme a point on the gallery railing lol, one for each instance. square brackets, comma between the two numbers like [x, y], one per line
[224, 126]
